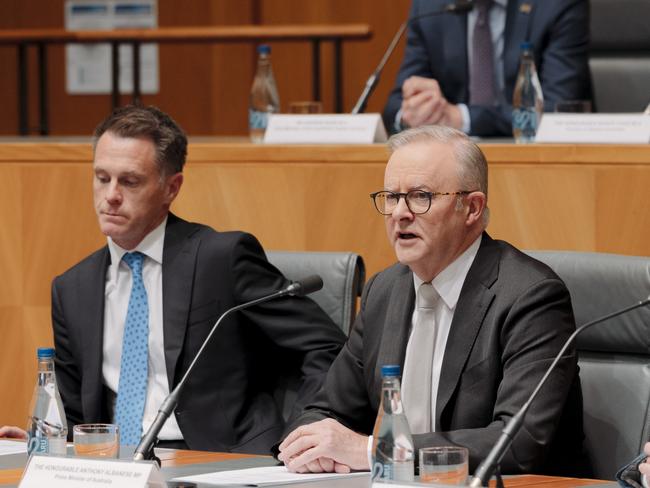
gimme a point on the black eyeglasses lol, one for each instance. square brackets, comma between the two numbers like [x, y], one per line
[417, 201]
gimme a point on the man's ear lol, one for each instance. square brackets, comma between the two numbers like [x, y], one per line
[476, 202]
[173, 186]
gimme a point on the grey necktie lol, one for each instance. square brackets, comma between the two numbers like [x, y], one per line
[416, 385]
[481, 72]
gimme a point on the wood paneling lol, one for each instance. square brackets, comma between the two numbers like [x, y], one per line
[589, 197]
[206, 88]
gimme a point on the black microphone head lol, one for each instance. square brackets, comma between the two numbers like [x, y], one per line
[307, 285]
[460, 6]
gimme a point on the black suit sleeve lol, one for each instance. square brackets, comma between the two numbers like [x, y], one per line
[67, 375]
[305, 336]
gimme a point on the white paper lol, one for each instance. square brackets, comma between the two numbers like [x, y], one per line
[324, 129]
[274, 475]
[88, 66]
[594, 128]
[80, 472]
[12, 447]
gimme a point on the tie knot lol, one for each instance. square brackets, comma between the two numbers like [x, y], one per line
[482, 7]
[134, 261]
[427, 296]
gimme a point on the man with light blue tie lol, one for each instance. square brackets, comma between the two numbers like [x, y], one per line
[130, 318]
[460, 70]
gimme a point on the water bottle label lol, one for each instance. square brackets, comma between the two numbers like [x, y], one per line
[37, 443]
[257, 119]
[525, 120]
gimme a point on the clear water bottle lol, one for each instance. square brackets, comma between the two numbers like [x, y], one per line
[527, 100]
[264, 98]
[392, 444]
[47, 427]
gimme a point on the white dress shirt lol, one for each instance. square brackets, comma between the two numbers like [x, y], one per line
[448, 283]
[116, 302]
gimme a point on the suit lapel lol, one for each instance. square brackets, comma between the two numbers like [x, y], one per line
[93, 338]
[456, 53]
[473, 303]
[397, 325]
[518, 20]
[179, 258]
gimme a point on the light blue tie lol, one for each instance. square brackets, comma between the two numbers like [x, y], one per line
[132, 389]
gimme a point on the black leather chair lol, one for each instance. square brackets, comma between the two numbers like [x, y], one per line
[619, 56]
[614, 356]
[343, 274]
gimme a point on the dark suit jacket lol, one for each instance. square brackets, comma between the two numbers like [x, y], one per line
[227, 403]
[437, 48]
[512, 317]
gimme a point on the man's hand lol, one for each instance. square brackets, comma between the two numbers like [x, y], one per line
[423, 103]
[324, 446]
[644, 467]
[12, 432]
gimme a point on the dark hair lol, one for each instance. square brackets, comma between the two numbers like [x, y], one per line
[150, 123]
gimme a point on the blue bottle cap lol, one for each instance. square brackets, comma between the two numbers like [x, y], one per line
[526, 46]
[45, 352]
[263, 49]
[390, 370]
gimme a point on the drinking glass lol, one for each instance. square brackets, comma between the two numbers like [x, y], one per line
[444, 464]
[96, 440]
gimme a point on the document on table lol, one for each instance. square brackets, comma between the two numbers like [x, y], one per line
[12, 447]
[274, 475]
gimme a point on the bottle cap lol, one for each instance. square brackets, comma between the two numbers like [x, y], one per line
[45, 352]
[263, 49]
[390, 370]
[526, 46]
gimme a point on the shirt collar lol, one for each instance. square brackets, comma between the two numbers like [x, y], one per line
[151, 246]
[449, 282]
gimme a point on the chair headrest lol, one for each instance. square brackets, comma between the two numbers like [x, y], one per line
[600, 284]
[620, 25]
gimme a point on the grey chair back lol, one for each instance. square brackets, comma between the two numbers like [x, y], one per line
[614, 356]
[619, 56]
[343, 274]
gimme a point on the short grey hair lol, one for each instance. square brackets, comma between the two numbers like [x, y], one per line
[472, 165]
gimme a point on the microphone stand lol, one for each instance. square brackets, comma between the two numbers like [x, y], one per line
[145, 451]
[459, 7]
[484, 472]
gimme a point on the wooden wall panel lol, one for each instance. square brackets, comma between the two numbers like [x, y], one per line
[206, 87]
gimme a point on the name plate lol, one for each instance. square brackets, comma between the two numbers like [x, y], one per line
[594, 128]
[71, 472]
[324, 129]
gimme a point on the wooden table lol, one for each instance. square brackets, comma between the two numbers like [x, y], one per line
[181, 458]
[42, 38]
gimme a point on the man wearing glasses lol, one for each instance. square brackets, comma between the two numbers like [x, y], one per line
[473, 322]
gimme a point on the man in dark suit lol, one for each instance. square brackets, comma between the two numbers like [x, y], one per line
[441, 62]
[188, 275]
[499, 318]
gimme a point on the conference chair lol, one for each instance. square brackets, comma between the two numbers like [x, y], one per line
[614, 356]
[343, 275]
[619, 57]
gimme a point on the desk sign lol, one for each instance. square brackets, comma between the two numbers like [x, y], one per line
[594, 128]
[72, 472]
[324, 129]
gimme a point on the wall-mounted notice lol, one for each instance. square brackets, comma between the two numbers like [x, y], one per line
[88, 66]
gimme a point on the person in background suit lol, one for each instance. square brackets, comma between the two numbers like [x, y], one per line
[473, 322]
[452, 74]
[180, 277]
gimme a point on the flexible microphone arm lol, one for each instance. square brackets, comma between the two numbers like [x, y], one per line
[459, 7]
[484, 472]
[145, 447]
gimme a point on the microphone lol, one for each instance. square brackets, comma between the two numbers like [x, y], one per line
[484, 471]
[458, 7]
[145, 447]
